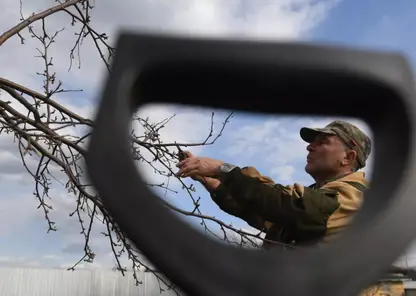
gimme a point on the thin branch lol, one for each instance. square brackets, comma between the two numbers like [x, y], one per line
[35, 17]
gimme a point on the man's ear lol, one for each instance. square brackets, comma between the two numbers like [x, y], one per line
[350, 156]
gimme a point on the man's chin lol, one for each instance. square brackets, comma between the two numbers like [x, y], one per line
[309, 168]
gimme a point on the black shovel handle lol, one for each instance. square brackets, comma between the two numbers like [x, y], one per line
[273, 78]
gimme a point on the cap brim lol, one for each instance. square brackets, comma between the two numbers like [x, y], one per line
[309, 134]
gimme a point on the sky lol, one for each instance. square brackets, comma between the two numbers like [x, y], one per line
[269, 143]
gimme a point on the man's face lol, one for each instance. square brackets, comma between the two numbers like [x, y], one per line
[327, 155]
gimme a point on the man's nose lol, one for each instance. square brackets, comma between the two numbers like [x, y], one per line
[311, 147]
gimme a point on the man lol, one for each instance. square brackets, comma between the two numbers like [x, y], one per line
[294, 214]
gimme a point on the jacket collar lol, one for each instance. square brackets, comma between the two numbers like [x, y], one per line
[355, 176]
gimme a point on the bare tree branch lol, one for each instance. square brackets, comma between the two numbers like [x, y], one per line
[53, 136]
[35, 17]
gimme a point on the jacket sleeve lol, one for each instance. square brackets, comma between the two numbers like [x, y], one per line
[304, 207]
[230, 205]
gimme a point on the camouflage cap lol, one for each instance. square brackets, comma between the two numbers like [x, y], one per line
[351, 135]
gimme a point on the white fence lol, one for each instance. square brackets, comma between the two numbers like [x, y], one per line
[60, 282]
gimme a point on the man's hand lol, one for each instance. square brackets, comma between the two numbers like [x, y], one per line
[199, 166]
[209, 183]
[187, 154]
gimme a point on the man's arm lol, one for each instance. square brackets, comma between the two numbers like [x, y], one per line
[229, 205]
[303, 206]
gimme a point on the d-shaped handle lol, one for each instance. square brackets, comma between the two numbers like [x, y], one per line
[175, 69]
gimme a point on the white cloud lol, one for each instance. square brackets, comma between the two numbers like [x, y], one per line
[283, 173]
[284, 19]
[17, 211]
[263, 18]
[267, 142]
[246, 139]
[50, 257]
[19, 262]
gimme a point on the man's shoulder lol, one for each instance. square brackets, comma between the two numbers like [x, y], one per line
[354, 182]
[350, 190]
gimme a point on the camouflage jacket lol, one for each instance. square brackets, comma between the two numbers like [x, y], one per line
[292, 215]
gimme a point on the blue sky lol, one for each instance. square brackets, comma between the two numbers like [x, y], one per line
[271, 143]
